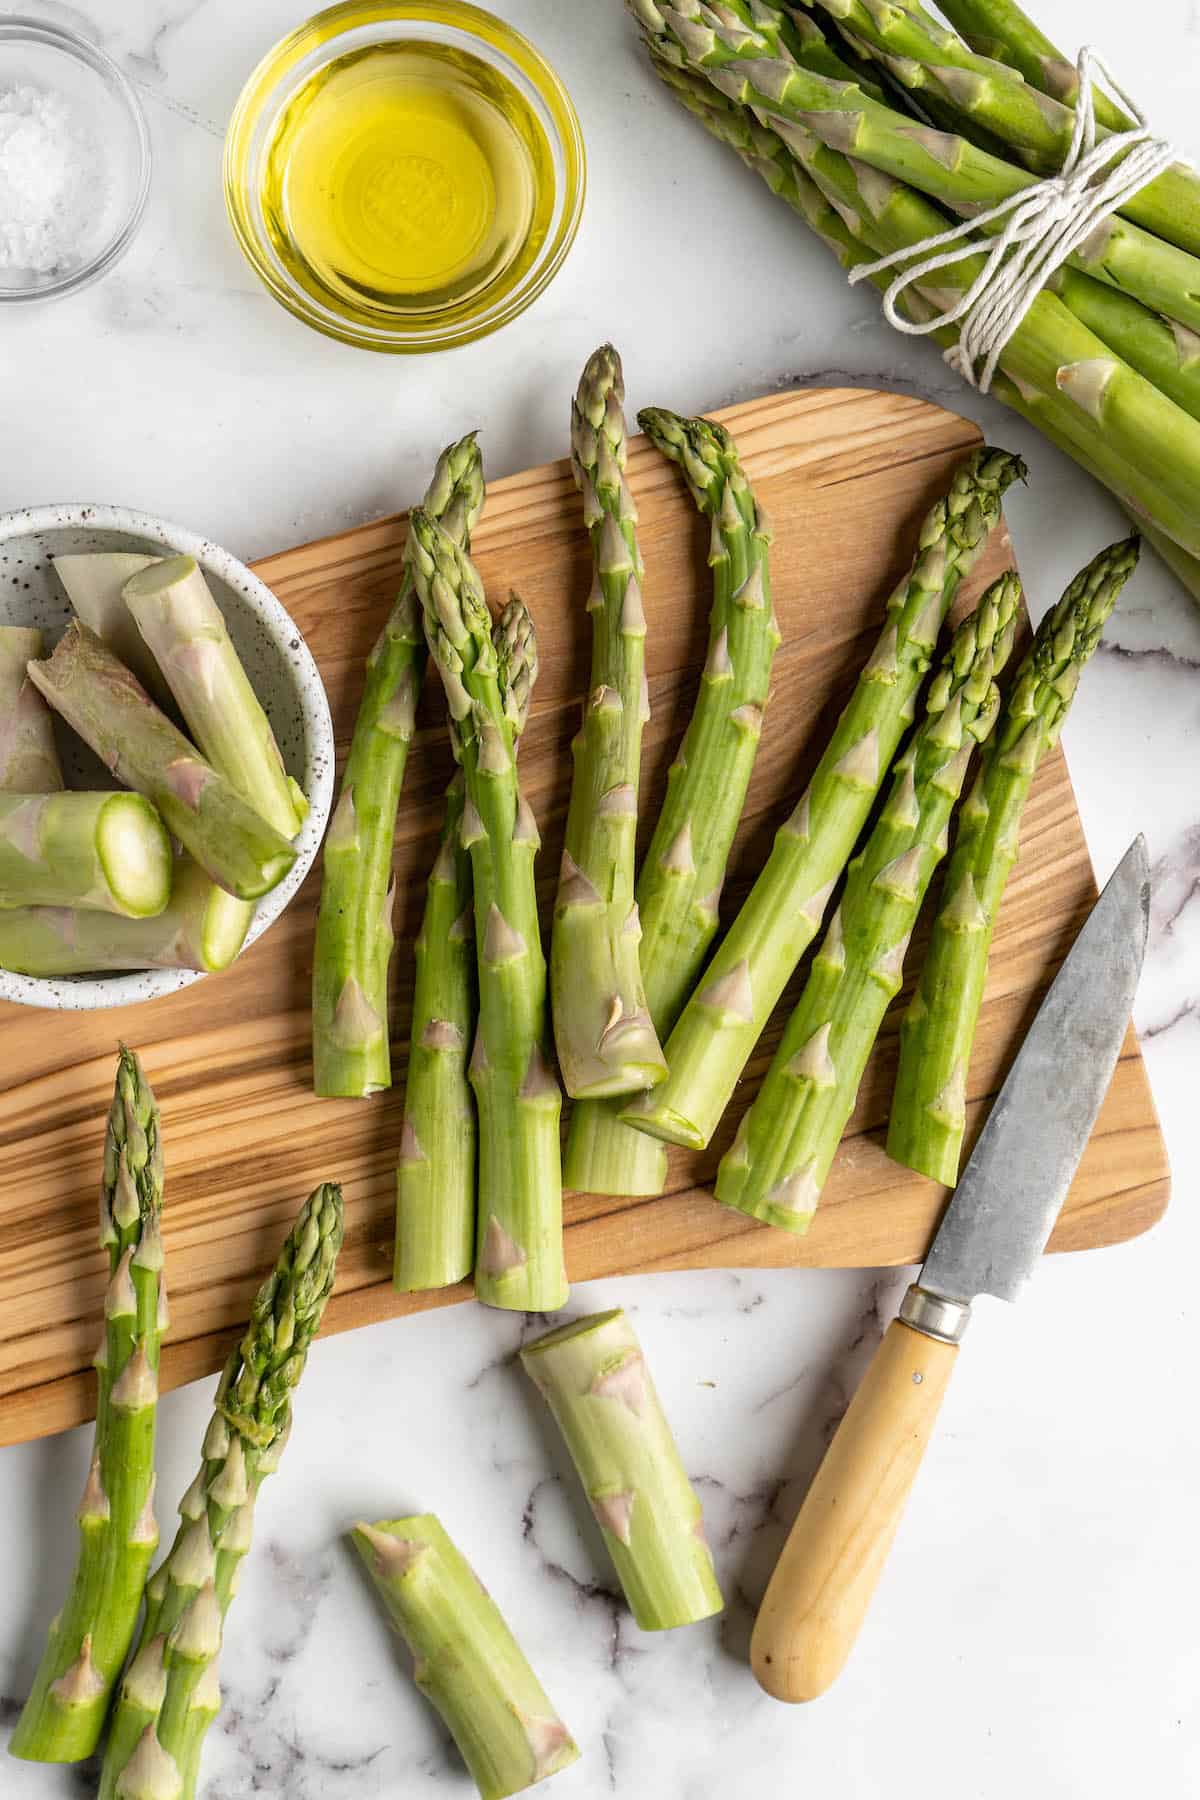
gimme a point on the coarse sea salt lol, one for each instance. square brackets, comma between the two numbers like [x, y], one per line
[53, 182]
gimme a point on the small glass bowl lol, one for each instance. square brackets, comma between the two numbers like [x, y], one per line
[46, 56]
[356, 25]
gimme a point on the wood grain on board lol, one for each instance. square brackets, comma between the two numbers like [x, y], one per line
[846, 475]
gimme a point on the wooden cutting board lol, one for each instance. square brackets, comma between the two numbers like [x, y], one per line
[846, 475]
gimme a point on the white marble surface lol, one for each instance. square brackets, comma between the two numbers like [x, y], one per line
[1036, 1628]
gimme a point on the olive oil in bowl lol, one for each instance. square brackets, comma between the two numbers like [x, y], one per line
[407, 178]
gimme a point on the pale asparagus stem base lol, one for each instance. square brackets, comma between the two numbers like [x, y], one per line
[185, 632]
[519, 1249]
[103, 850]
[722, 1021]
[351, 1036]
[102, 701]
[681, 877]
[95, 584]
[28, 754]
[603, 1030]
[435, 1175]
[928, 1117]
[64, 1715]
[202, 928]
[787, 1141]
[467, 1662]
[593, 1375]
[170, 1693]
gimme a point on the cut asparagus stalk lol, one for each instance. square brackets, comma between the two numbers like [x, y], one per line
[788, 1139]
[468, 1664]
[519, 1252]
[593, 1374]
[185, 632]
[435, 1176]
[680, 880]
[605, 1036]
[28, 754]
[202, 927]
[105, 850]
[95, 587]
[722, 1021]
[169, 1695]
[105, 704]
[928, 1107]
[64, 1715]
[351, 1040]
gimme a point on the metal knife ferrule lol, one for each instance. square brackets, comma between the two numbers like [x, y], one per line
[934, 1317]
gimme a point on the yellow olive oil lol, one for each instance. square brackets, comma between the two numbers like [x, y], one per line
[408, 178]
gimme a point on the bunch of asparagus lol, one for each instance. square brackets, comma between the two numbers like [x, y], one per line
[89, 881]
[880, 127]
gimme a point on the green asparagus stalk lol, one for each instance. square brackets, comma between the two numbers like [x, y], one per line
[519, 1252]
[998, 28]
[723, 1019]
[605, 1037]
[351, 1040]
[929, 1105]
[95, 583]
[104, 850]
[594, 1377]
[185, 631]
[64, 1714]
[435, 1175]
[680, 880]
[202, 927]
[787, 1141]
[467, 1662]
[28, 755]
[170, 1694]
[736, 56]
[104, 703]
[927, 59]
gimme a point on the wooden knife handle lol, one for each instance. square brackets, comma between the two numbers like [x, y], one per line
[823, 1583]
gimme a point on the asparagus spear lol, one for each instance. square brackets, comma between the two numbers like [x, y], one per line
[605, 1037]
[64, 1714]
[28, 756]
[928, 1108]
[169, 1694]
[681, 877]
[594, 1377]
[202, 927]
[737, 57]
[95, 585]
[468, 1664]
[926, 58]
[351, 1042]
[519, 1256]
[185, 631]
[435, 1175]
[105, 850]
[999, 28]
[103, 702]
[724, 1017]
[787, 1141]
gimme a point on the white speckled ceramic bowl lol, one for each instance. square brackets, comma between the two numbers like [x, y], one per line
[277, 661]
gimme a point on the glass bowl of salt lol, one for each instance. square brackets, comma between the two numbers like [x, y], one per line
[74, 161]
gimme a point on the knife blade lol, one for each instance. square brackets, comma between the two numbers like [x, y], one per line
[989, 1241]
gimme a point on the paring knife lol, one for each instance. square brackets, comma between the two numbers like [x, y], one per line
[990, 1238]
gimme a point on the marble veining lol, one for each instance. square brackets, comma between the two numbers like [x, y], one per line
[1035, 1630]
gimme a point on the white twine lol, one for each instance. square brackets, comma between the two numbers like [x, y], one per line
[1046, 224]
